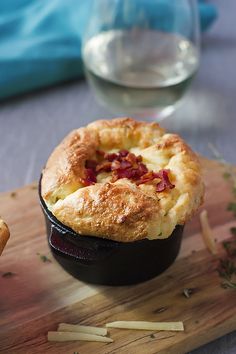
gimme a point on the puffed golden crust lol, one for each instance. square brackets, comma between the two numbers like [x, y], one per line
[4, 235]
[122, 210]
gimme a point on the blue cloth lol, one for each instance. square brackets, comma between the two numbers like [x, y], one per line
[40, 41]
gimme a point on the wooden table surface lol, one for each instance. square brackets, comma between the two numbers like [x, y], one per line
[32, 125]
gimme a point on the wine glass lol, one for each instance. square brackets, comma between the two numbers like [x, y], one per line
[140, 56]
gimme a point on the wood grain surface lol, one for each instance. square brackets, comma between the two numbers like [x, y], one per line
[39, 295]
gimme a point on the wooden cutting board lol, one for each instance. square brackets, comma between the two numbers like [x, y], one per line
[41, 294]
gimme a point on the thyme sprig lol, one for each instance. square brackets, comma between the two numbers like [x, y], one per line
[227, 265]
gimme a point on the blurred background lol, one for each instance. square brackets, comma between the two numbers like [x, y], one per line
[44, 94]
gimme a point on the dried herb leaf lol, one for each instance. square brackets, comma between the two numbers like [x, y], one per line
[230, 247]
[160, 309]
[233, 231]
[44, 258]
[226, 245]
[187, 292]
[8, 274]
[232, 207]
[227, 268]
[226, 175]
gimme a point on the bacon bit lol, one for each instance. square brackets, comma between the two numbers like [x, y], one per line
[125, 164]
[130, 174]
[136, 173]
[142, 169]
[147, 177]
[115, 165]
[131, 158]
[111, 157]
[100, 153]
[162, 175]
[123, 153]
[90, 177]
[165, 182]
[92, 164]
[120, 165]
[104, 167]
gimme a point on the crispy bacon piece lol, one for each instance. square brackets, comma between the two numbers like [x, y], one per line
[120, 165]
[147, 177]
[91, 164]
[111, 157]
[90, 177]
[124, 173]
[123, 153]
[131, 173]
[115, 165]
[131, 158]
[165, 182]
[100, 153]
[142, 169]
[125, 164]
[104, 166]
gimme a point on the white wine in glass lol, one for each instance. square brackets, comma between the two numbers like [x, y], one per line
[134, 69]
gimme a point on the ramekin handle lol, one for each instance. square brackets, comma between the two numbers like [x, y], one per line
[62, 245]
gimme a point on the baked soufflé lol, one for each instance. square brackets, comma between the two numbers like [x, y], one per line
[122, 180]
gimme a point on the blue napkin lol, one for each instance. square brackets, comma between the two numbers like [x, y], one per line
[40, 41]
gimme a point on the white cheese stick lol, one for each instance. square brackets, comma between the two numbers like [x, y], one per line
[66, 327]
[4, 235]
[72, 336]
[207, 233]
[150, 326]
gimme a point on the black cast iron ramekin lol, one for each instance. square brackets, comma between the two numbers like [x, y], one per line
[101, 261]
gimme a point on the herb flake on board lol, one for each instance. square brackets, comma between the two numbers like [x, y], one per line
[233, 231]
[232, 207]
[44, 258]
[226, 175]
[8, 275]
[160, 309]
[187, 292]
